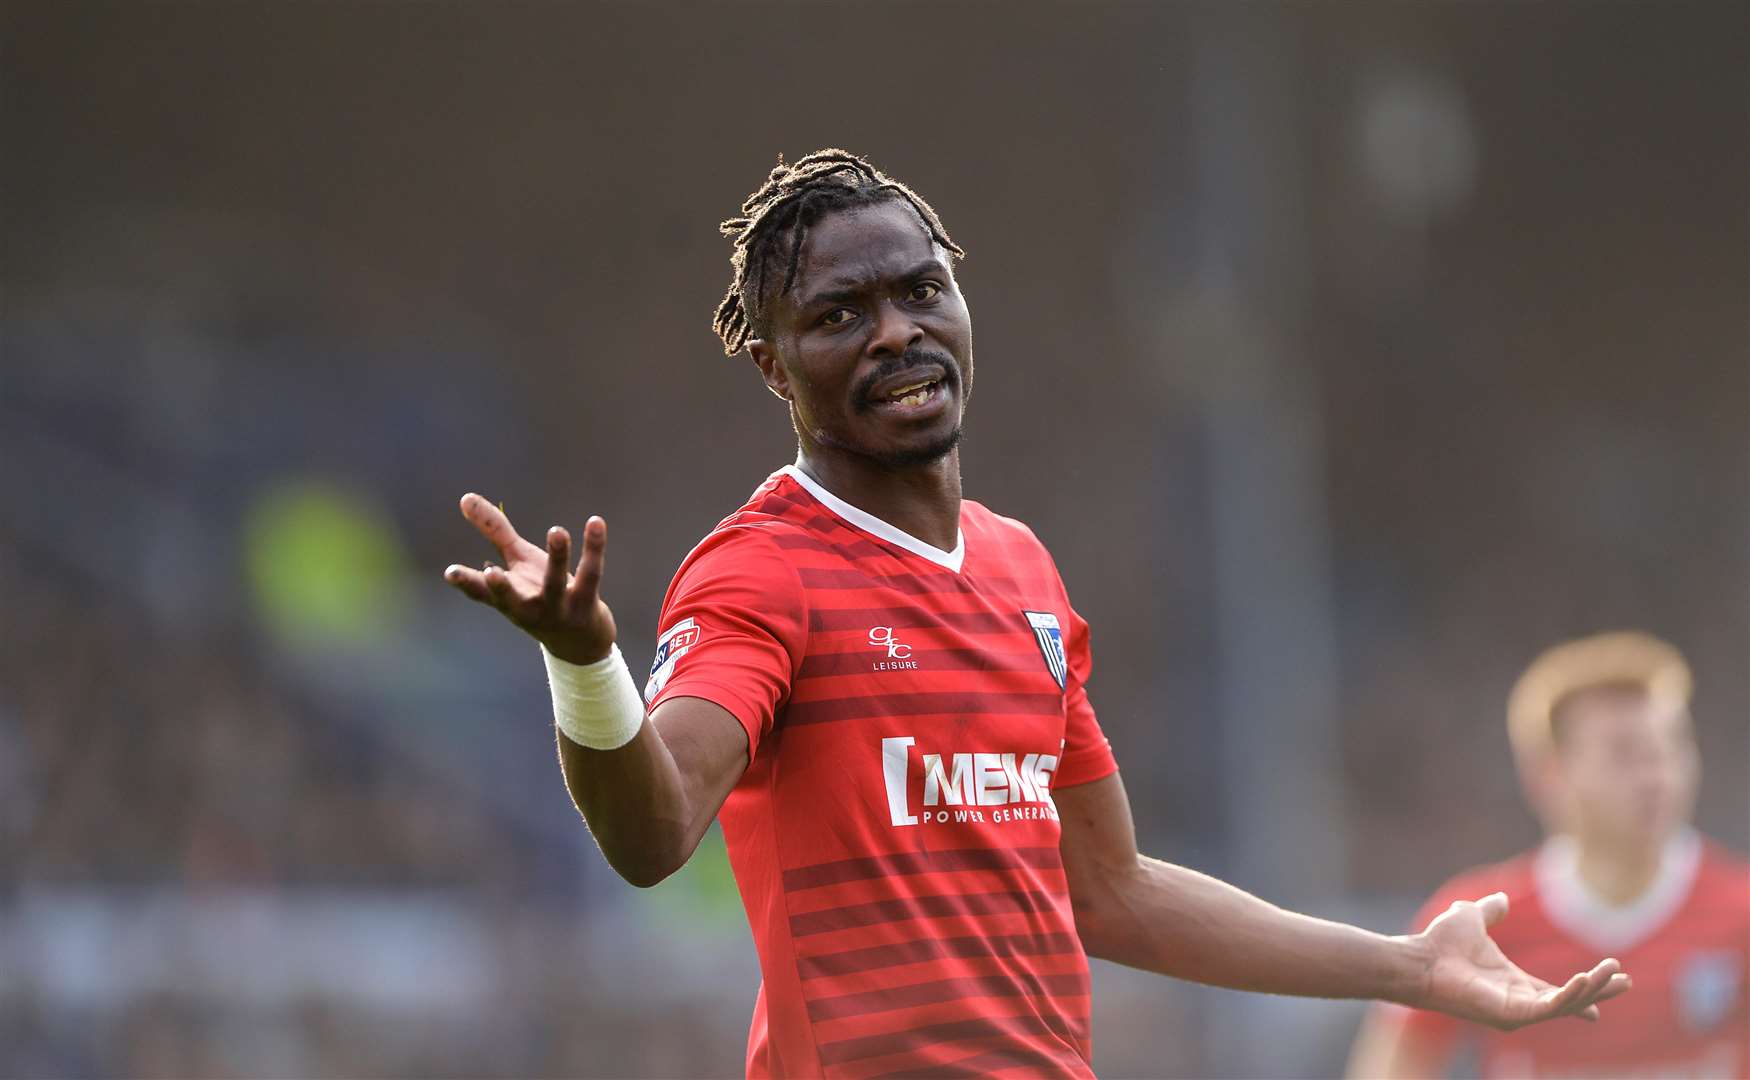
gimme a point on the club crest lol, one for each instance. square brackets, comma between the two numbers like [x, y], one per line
[1049, 634]
[1707, 987]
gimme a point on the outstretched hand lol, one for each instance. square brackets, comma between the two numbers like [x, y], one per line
[561, 610]
[1468, 976]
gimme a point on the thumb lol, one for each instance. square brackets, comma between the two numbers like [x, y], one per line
[1493, 907]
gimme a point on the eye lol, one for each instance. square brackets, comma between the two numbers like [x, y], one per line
[924, 291]
[837, 317]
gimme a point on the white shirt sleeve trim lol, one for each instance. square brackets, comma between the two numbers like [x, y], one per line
[873, 525]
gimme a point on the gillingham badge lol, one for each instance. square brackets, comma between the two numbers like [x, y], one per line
[1707, 986]
[1049, 634]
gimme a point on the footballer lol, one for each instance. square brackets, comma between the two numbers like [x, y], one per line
[1600, 729]
[879, 688]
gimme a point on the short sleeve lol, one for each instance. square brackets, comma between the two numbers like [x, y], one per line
[732, 629]
[1087, 756]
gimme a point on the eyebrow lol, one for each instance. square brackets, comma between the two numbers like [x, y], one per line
[841, 289]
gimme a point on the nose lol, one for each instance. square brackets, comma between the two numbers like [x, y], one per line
[895, 331]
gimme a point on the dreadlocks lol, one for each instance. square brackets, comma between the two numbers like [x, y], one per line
[775, 221]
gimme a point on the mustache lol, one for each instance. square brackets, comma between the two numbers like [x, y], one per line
[914, 357]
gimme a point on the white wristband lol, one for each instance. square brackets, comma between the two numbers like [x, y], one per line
[595, 705]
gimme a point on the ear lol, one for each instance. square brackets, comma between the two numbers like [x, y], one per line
[766, 359]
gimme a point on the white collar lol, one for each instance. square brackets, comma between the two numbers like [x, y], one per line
[869, 523]
[1580, 912]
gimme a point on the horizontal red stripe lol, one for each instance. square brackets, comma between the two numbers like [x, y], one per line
[930, 993]
[818, 665]
[809, 510]
[1035, 1061]
[924, 950]
[845, 548]
[827, 710]
[910, 584]
[1006, 1028]
[919, 862]
[968, 622]
[920, 907]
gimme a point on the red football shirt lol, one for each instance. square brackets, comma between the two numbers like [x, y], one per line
[1686, 943]
[908, 712]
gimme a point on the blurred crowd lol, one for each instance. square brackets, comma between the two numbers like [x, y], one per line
[274, 802]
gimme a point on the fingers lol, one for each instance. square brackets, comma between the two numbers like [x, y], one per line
[472, 583]
[491, 522]
[1619, 983]
[1616, 984]
[1580, 995]
[586, 586]
[558, 559]
[1566, 999]
[495, 588]
[1493, 907]
[504, 596]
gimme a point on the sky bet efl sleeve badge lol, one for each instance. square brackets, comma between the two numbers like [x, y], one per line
[1050, 637]
[676, 640]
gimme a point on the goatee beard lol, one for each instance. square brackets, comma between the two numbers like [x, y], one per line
[928, 454]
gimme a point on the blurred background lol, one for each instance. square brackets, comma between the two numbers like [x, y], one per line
[1345, 355]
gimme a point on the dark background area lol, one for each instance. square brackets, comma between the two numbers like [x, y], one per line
[1344, 355]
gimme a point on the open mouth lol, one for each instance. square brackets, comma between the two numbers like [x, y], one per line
[912, 395]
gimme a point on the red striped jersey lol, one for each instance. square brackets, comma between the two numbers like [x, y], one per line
[908, 712]
[1685, 942]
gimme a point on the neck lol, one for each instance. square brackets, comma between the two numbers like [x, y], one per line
[923, 500]
[1617, 873]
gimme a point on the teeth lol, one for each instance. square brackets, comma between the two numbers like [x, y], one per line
[908, 389]
[914, 399]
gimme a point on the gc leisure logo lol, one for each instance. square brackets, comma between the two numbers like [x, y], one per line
[898, 652]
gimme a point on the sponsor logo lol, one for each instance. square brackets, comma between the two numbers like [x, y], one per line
[671, 645]
[898, 652]
[975, 787]
[1050, 637]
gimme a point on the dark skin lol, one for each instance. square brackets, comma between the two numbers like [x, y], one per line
[872, 349]
[872, 291]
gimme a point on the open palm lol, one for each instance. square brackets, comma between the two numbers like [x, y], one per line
[534, 590]
[1468, 976]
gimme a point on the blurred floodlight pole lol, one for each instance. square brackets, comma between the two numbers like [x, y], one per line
[1275, 611]
[1280, 761]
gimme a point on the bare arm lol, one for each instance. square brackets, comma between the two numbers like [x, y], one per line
[650, 801]
[1149, 914]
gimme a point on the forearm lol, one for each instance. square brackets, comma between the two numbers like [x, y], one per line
[650, 801]
[1179, 922]
[636, 804]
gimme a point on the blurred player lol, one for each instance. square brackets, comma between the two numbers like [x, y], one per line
[1600, 729]
[880, 689]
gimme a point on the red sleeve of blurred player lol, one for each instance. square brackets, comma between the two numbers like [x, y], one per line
[732, 630]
